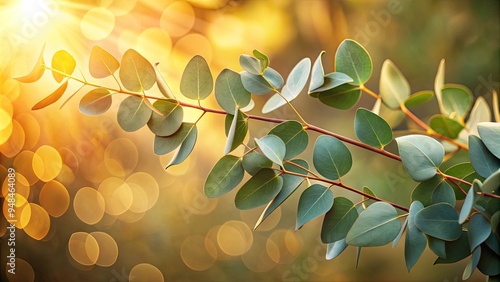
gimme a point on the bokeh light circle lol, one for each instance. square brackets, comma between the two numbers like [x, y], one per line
[145, 272]
[24, 272]
[108, 249]
[195, 255]
[149, 187]
[154, 44]
[234, 238]
[15, 143]
[118, 196]
[178, 18]
[31, 127]
[89, 205]
[38, 225]
[83, 248]
[117, 162]
[97, 23]
[189, 46]
[21, 164]
[47, 163]
[54, 198]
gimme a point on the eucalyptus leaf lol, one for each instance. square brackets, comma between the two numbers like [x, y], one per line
[236, 130]
[439, 83]
[314, 202]
[96, 102]
[400, 234]
[317, 73]
[415, 241]
[331, 158]
[136, 73]
[331, 81]
[185, 149]
[490, 135]
[338, 220]
[437, 246]
[421, 155]
[463, 171]
[36, 72]
[353, 60]
[197, 81]
[456, 250]
[293, 135]
[290, 184]
[378, 225]
[394, 88]
[480, 113]
[170, 119]
[255, 84]
[334, 249]
[440, 221]
[259, 190]
[63, 64]
[250, 64]
[133, 113]
[393, 117]
[471, 266]
[470, 199]
[342, 97]
[419, 98]
[273, 148]
[456, 100]
[229, 91]
[371, 129]
[224, 176]
[167, 144]
[101, 63]
[445, 126]
[253, 162]
[492, 183]
[443, 194]
[274, 78]
[479, 230]
[52, 98]
[263, 59]
[489, 263]
[367, 201]
[424, 191]
[483, 161]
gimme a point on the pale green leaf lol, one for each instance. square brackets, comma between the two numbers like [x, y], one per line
[353, 60]
[224, 176]
[443, 194]
[415, 240]
[96, 102]
[293, 135]
[342, 97]
[197, 81]
[171, 119]
[419, 98]
[392, 117]
[255, 84]
[445, 126]
[162, 84]
[253, 162]
[136, 73]
[101, 63]
[421, 155]
[394, 88]
[236, 130]
[469, 201]
[167, 144]
[133, 113]
[314, 202]
[483, 161]
[185, 149]
[273, 148]
[400, 234]
[331, 158]
[259, 190]
[317, 73]
[263, 59]
[456, 100]
[338, 220]
[274, 78]
[334, 249]
[371, 129]
[229, 91]
[492, 183]
[439, 83]
[440, 221]
[376, 226]
[331, 81]
[490, 135]
[250, 64]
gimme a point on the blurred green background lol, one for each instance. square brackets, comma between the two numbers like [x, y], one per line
[182, 235]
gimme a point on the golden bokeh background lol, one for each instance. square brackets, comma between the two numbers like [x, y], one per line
[93, 202]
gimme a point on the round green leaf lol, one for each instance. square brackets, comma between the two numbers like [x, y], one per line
[492, 183]
[259, 190]
[372, 129]
[290, 184]
[96, 102]
[273, 77]
[250, 64]
[470, 199]
[236, 130]
[463, 171]
[273, 148]
[456, 100]
[440, 221]
[421, 155]
[101, 63]
[171, 120]
[167, 144]
[353, 60]
[479, 230]
[471, 266]
[338, 220]
[334, 249]
[376, 226]
[483, 161]
[293, 135]
[424, 191]
[255, 84]
[445, 126]
[455, 250]
[331, 158]
[490, 135]
[394, 88]
[437, 246]
[317, 73]
[263, 59]
[224, 176]
[185, 149]
[253, 162]
[133, 113]
[62, 61]
[197, 81]
[229, 91]
[415, 241]
[314, 202]
[136, 73]
[419, 98]
[443, 194]
[342, 97]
